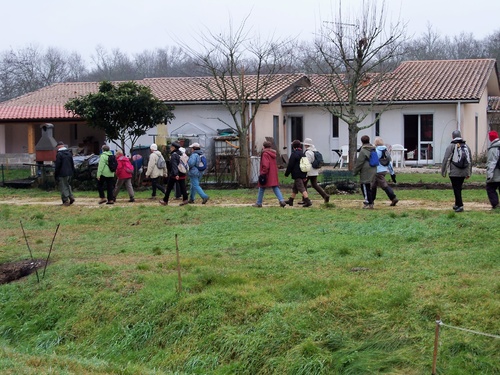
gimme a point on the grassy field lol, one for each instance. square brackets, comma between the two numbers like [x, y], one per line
[326, 290]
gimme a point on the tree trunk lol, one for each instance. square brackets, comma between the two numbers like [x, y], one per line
[244, 163]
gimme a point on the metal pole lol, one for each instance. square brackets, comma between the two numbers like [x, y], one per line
[436, 343]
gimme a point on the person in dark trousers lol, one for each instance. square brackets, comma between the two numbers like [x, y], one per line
[365, 171]
[268, 175]
[124, 174]
[174, 175]
[457, 175]
[312, 175]
[64, 170]
[299, 177]
[105, 178]
[492, 172]
[382, 170]
[153, 172]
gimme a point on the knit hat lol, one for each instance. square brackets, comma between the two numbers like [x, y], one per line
[176, 145]
[153, 147]
[492, 135]
[308, 142]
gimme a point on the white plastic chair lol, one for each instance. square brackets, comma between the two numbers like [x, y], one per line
[344, 155]
[398, 155]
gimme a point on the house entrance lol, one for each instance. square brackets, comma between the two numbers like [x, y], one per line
[419, 138]
[296, 128]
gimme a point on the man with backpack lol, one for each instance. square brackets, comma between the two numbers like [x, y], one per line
[457, 162]
[366, 170]
[299, 177]
[196, 169]
[156, 170]
[493, 170]
[105, 177]
[312, 175]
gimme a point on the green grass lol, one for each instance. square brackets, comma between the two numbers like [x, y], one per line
[326, 290]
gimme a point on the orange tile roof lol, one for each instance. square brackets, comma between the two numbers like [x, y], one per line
[413, 81]
[494, 104]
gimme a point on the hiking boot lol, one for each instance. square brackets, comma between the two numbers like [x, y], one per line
[191, 201]
[132, 199]
[163, 203]
[66, 204]
[307, 203]
[301, 202]
[459, 209]
[256, 205]
[110, 202]
[455, 207]
[282, 204]
[183, 203]
[394, 202]
[289, 201]
[327, 199]
[103, 200]
[368, 207]
[71, 200]
[205, 200]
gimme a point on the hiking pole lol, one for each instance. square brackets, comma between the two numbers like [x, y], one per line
[50, 250]
[178, 265]
[436, 342]
[31, 254]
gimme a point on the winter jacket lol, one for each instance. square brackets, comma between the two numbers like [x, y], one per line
[293, 166]
[447, 165]
[193, 162]
[102, 168]
[64, 166]
[493, 173]
[384, 168]
[362, 166]
[173, 167]
[125, 168]
[269, 167]
[153, 171]
[310, 156]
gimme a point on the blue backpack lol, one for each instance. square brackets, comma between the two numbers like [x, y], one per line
[202, 164]
[374, 160]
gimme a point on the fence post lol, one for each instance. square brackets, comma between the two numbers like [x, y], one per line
[436, 343]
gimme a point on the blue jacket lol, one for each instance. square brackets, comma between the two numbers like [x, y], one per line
[381, 168]
[193, 162]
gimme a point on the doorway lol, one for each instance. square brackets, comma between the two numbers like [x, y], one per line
[419, 138]
[296, 128]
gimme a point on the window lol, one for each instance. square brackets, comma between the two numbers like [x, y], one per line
[419, 137]
[335, 126]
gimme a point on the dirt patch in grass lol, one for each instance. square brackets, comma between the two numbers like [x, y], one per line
[16, 270]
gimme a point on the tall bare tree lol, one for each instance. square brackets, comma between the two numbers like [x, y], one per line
[242, 69]
[353, 52]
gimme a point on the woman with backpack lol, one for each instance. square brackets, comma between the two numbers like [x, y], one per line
[195, 173]
[312, 175]
[175, 175]
[124, 173]
[384, 167]
[157, 169]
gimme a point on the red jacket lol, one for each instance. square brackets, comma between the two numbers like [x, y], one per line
[269, 167]
[125, 168]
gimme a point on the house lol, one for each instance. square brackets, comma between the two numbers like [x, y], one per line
[428, 100]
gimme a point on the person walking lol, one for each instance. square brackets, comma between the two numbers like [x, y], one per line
[175, 175]
[312, 175]
[153, 172]
[124, 174]
[457, 174]
[492, 172]
[105, 177]
[379, 179]
[366, 171]
[195, 174]
[64, 170]
[299, 177]
[268, 175]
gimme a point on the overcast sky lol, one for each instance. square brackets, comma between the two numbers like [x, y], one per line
[137, 25]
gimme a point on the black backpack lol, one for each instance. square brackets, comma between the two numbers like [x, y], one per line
[318, 160]
[385, 158]
[112, 163]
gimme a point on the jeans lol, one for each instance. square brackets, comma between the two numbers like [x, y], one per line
[196, 188]
[276, 191]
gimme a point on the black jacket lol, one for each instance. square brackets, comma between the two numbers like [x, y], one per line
[65, 167]
[293, 166]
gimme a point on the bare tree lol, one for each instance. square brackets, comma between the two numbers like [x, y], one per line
[492, 45]
[241, 69]
[353, 52]
[112, 66]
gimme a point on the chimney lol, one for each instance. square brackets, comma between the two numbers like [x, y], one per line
[46, 147]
